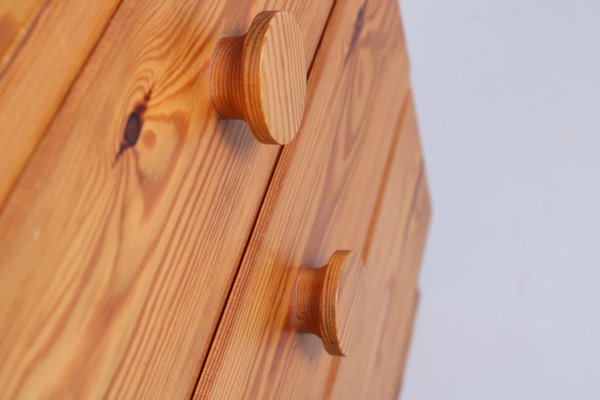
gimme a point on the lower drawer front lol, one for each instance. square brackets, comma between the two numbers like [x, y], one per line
[352, 179]
[395, 246]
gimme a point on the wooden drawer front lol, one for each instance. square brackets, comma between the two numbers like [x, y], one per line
[393, 253]
[117, 254]
[352, 179]
[43, 45]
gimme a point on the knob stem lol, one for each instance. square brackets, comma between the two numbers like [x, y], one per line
[226, 77]
[306, 310]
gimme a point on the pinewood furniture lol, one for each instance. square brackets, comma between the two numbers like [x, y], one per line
[156, 238]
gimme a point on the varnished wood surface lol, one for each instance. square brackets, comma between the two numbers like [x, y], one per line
[395, 250]
[260, 77]
[325, 195]
[327, 301]
[120, 241]
[43, 46]
[16, 19]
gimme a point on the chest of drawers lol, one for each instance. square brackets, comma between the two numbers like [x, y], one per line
[156, 238]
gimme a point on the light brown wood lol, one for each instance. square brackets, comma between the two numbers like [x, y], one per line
[396, 244]
[326, 194]
[393, 247]
[43, 46]
[326, 301]
[261, 77]
[120, 241]
[16, 18]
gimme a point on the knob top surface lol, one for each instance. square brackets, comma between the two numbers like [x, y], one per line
[342, 295]
[274, 76]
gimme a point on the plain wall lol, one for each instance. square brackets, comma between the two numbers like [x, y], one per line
[508, 99]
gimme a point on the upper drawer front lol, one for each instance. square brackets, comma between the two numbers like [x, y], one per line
[350, 181]
[43, 45]
[121, 239]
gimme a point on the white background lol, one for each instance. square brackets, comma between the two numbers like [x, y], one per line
[508, 99]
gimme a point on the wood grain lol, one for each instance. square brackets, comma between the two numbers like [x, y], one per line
[121, 239]
[394, 258]
[327, 301]
[260, 77]
[16, 20]
[43, 46]
[323, 196]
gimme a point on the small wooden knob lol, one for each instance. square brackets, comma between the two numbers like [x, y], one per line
[327, 301]
[261, 77]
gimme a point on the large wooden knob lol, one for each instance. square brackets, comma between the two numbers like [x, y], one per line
[261, 77]
[327, 301]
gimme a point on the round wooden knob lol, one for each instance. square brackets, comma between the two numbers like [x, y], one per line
[261, 77]
[327, 301]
